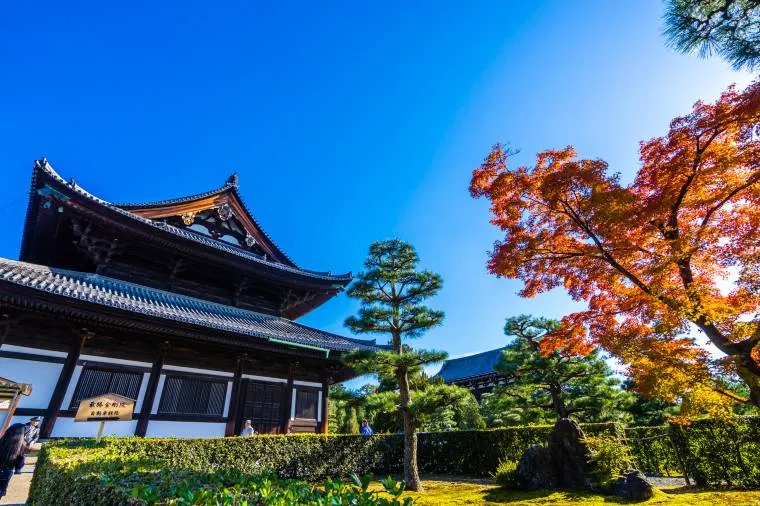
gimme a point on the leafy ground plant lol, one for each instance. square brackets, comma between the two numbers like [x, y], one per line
[235, 489]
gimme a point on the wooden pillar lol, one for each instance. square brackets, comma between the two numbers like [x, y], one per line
[287, 401]
[325, 405]
[232, 414]
[54, 406]
[5, 328]
[150, 390]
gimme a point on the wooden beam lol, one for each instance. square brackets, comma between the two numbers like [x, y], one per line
[287, 401]
[325, 405]
[150, 390]
[54, 406]
[233, 414]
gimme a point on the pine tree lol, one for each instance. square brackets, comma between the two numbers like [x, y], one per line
[391, 291]
[730, 28]
[542, 388]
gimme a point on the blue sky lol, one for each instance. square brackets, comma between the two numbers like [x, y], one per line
[346, 122]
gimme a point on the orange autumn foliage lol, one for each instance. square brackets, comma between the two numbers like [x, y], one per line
[651, 259]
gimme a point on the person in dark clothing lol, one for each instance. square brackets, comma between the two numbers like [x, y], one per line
[31, 435]
[12, 446]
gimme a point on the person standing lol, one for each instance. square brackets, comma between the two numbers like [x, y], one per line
[247, 429]
[366, 429]
[12, 446]
[31, 435]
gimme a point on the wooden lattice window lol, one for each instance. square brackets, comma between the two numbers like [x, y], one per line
[183, 395]
[94, 381]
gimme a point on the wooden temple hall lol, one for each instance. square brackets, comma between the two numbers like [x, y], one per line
[186, 306]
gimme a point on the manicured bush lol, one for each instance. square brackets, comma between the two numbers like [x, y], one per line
[113, 474]
[610, 457]
[506, 474]
[478, 452]
[717, 452]
[713, 452]
[653, 451]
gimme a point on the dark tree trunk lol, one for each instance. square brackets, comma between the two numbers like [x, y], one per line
[411, 473]
[558, 404]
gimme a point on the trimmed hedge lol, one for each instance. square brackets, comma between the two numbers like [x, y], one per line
[103, 474]
[717, 453]
[82, 472]
[653, 451]
[478, 452]
[713, 452]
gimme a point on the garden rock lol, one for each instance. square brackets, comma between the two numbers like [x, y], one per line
[569, 454]
[633, 486]
[535, 471]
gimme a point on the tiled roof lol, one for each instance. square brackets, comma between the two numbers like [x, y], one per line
[230, 185]
[473, 366]
[341, 279]
[103, 291]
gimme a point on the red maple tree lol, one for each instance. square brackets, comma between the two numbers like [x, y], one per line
[677, 248]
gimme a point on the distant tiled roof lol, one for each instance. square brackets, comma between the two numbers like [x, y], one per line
[341, 279]
[103, 291]
[473, 366]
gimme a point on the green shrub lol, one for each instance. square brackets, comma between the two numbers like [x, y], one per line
[653, 451]
[609, 457]
[81, 475]
[717, 452]
[506, 474]
[106, 474]
[713, 452]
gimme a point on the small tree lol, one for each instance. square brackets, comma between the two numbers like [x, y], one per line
[542, 388]
[435, 407]
[730, 28]
[347, 406]
[391, 291]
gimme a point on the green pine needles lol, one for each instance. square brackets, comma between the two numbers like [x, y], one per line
[729, 28]
[542, 388]
[392, 292]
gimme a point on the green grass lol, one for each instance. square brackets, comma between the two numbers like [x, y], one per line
[453, 491]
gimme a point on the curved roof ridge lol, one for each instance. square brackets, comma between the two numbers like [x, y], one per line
[177, 200]
[366, 342]
[46, 167]
[231, 184]
[155, 302]
[470, 366]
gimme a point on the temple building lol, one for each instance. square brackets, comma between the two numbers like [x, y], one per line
[185, 305]
[476, 372]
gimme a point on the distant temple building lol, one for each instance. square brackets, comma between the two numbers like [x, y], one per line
[185, 305]
[474, 372]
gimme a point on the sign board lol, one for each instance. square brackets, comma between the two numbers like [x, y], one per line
[105, 408]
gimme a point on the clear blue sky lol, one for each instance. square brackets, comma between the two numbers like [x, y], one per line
[347, 122]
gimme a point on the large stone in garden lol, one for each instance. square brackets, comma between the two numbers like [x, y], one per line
[569, 454]
[535, 470]
[633, 486]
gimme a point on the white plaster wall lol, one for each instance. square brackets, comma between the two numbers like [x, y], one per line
[72, 386]
[67, 427]
[141, 393]
[161, 428]
[41, 375]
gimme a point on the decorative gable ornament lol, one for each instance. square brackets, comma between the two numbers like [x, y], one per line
[188, 218]
[249, 239]
[224, 211]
